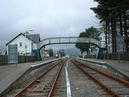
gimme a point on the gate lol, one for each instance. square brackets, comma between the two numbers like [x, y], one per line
[12, 54]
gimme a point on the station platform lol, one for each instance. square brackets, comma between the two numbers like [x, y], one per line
[121, 66]
[10, 73]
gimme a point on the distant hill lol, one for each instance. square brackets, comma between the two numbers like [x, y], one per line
[72, 52]
[69, 49]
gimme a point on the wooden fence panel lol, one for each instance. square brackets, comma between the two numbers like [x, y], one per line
[21, 59]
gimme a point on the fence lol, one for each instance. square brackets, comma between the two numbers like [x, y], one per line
[3, 59]
[117, 56]
[21, 59]
[90, 56]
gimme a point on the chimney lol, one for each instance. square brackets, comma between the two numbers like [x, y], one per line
[26, 33]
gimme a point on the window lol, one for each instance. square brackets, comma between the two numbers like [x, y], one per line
[20, 44]
[25, 46]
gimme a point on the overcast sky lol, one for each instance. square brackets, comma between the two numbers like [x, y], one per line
[49, 18]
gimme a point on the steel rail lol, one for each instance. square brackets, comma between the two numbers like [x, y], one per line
[51, 91]
[34, 81]
[121, 81]
[106, 88]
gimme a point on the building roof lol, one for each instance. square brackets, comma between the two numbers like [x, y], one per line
[18, 36]
[34, 37]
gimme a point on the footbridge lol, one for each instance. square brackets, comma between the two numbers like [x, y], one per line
[68, 40]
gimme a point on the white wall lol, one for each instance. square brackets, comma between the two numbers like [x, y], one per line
[26, 44]
[34, 46]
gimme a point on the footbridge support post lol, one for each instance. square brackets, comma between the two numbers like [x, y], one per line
[101, 53]
[37, 54]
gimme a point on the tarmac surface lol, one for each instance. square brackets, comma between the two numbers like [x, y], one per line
[10, 73]
[119, 65]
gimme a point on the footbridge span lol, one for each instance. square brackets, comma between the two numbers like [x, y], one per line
[68, 40]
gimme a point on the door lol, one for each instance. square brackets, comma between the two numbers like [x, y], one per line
[12, 54]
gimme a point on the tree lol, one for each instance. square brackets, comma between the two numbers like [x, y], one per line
[61, 52]
[114, 14]
[50, 52]
[89, 33]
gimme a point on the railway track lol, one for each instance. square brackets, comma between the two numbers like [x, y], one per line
[110, 84]
[47, 84]
[52, 82]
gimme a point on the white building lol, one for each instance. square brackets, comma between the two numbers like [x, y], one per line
[25, 43]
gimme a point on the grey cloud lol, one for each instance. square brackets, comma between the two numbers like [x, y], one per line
[49, 18]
